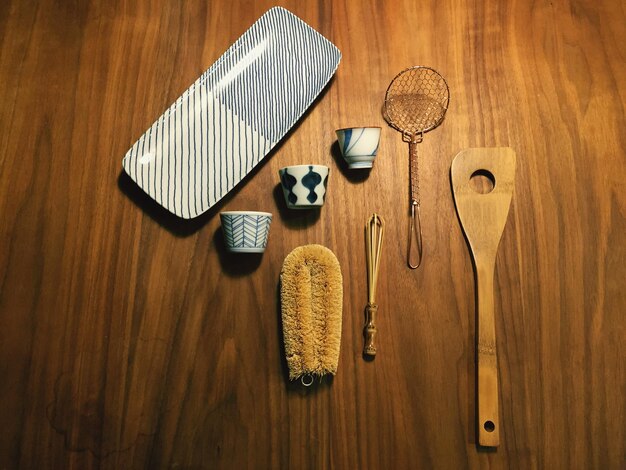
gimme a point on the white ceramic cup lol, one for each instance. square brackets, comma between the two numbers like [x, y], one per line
[304, 186]
[359, 145]
[246, 231]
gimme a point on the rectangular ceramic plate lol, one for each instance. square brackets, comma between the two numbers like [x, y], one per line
[224, 124]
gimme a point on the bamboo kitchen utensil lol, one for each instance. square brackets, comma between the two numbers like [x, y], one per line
[416, 102]
[483, 217]
[374, 231]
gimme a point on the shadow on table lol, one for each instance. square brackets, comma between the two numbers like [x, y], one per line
[234, 264]
[172, 223]
[294, 218]
[355, 176]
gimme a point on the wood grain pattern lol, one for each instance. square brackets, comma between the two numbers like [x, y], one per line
[132, 339]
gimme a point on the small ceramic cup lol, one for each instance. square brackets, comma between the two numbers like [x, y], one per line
[246, 231]
[359, 145]
[304, 186]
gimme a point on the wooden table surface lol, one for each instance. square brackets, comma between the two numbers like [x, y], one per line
[131, 339]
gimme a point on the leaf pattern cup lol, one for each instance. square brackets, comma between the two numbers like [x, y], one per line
[359, 145]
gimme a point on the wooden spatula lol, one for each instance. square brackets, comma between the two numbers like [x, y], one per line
[483, 208]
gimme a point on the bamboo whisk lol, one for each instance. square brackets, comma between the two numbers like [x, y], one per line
[374, 230]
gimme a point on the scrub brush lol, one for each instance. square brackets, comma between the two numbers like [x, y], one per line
[311, 294]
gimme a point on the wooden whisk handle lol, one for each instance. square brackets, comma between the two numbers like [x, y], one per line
[370, 330]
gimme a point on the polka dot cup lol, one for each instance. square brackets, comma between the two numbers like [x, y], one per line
[304, 186]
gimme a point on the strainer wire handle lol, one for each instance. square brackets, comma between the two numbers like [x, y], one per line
[414, 248]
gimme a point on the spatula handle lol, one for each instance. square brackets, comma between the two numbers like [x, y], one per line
[488, 418]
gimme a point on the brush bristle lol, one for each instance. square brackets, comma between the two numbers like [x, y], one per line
[311, 293]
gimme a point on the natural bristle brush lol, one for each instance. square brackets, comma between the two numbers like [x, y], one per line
[311, 296]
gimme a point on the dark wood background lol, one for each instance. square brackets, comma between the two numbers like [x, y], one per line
[131, 339]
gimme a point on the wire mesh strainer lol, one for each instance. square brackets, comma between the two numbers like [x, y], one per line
[416, 102]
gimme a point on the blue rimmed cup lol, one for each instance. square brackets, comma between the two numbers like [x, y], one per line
[359, 145]
[246, 231]
[304, 186]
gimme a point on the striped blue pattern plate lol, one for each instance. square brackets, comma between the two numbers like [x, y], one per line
[224, 124]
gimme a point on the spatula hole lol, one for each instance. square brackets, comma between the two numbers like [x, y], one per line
[482, 181]
[489, 426]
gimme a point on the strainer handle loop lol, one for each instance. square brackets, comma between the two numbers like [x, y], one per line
[414, 249]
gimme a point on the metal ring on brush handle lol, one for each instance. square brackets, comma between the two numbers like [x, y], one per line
[306, 380]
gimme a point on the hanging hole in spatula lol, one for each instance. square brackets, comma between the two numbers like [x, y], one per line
[482, 181]
[489, 426]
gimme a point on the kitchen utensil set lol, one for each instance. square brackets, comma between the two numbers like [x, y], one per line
[222, 126]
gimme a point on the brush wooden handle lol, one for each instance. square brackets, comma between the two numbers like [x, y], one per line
[370, 330]
[488, 418]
